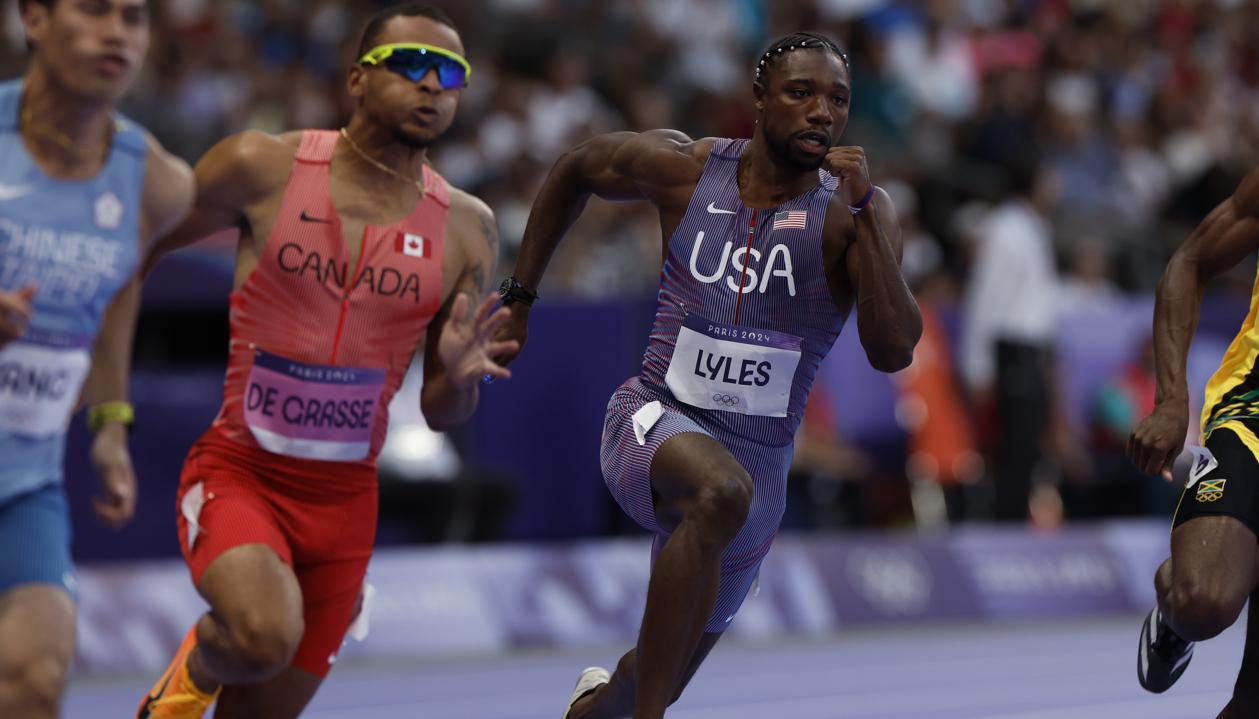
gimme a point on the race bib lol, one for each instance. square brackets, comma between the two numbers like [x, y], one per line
[312, 411]
[40, 379]
[733, 368]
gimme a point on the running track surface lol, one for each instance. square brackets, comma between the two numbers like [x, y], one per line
[1082, 669]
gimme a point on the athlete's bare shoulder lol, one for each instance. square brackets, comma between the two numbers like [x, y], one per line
[465, 205]
[472, 226]
[238, 173]
[698, 150]
[661, 157]
[657, 165]
[669, 145]
[169, 190]
[470, 217]
[246, 167]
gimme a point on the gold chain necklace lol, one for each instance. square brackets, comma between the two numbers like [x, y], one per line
[419, 183]
[43, 129]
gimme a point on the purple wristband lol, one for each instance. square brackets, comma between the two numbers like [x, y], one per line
[861, 205]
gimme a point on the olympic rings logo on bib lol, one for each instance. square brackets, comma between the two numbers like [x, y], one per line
[710, 359]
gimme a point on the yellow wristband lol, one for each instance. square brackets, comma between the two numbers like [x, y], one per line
[99, 414]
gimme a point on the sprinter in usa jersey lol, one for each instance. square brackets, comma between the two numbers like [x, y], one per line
[768, 245]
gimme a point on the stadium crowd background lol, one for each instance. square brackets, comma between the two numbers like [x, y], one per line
[1108, 129]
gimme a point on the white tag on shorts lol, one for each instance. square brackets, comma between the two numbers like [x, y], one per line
[1203, 463]
[362, 623]
[39, 387]
[716, 366]
[190, 506]
[645, 418]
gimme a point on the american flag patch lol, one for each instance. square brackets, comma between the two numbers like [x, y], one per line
[790, 220]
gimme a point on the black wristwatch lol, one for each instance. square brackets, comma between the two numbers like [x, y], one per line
[512, 291]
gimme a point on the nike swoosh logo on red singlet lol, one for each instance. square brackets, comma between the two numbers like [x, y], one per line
[308, 218]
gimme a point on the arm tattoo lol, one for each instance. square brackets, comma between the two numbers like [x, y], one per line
[477, 275]
[489, 232]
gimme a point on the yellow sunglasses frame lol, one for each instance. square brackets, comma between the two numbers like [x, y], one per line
[380, 53]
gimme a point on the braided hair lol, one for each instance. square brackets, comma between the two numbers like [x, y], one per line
[797, 41]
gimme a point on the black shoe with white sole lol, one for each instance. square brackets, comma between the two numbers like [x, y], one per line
[1162, 655]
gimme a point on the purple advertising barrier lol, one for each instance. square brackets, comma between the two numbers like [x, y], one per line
[575, 594]
[429, 603]
[1140, 546]
[440, 601]
[1019, 574]
[875, 579]
[457, 600]
[790, 596]
[133, 616]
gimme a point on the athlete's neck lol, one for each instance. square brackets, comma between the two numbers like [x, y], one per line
[67, 133]
[766, 181]
[380, 145]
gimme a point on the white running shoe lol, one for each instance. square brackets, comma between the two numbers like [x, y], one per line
[591, 679]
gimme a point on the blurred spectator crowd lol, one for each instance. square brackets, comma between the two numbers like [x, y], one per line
[1046, 155]
[1143, 111]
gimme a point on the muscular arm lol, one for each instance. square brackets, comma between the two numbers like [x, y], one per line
[1228, 234]
[1224, 238]
[166, 200]
[167, 197]
[234, 174]
[888, 320]
[616, 166]
[449, 396]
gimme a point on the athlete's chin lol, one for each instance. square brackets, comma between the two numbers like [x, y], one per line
[805, 161]
[415, 140]
[101, 89]
[420, 134]
[791, 155]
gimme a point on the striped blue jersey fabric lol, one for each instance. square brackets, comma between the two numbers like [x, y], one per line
[782, 277]
[777, 284]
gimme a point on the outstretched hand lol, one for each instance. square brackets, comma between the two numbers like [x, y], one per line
[468, 346]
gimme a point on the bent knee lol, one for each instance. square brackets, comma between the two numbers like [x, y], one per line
[263, 641]
[724, 502]
[1200, 612]
[32, 686]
